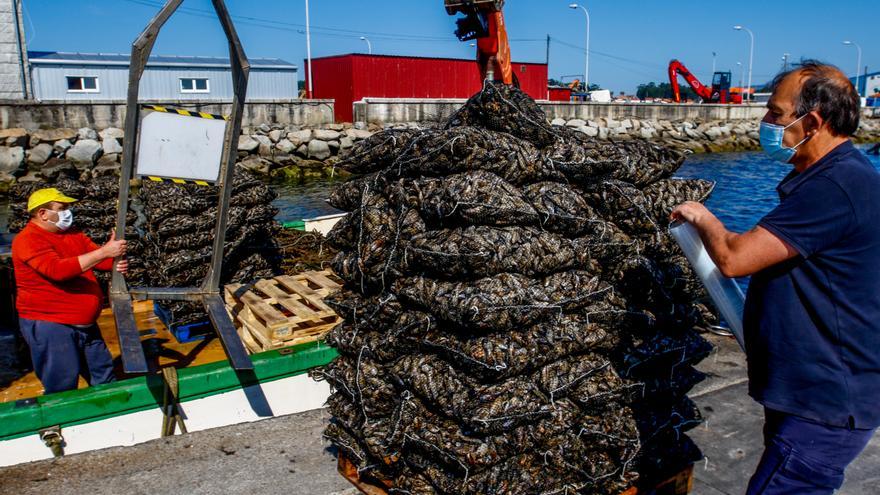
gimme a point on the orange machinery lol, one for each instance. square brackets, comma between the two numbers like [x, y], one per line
[484, 21]
[720, 92]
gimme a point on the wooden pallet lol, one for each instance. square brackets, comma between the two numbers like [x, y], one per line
[680, 484]
[282, 311]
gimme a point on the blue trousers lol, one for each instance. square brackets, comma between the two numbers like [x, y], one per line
[61, 353]
[804, 457]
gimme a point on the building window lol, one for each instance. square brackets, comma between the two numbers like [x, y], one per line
[82, 84]
[194, 85]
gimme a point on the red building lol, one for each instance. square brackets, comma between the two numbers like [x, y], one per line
[350, 78]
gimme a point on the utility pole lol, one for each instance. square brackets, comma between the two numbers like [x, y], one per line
[309, 50]
[712, 75]
[547, 58]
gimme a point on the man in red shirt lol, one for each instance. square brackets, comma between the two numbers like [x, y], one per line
[58, 297]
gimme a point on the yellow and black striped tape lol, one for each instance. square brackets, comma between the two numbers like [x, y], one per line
[178, 181]
[186, 113]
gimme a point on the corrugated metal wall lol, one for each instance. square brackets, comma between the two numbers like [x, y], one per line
[350, 78]
[160, 83]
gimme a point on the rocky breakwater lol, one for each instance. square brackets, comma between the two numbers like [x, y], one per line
[696, 136]
[300, 153]
[290, 153]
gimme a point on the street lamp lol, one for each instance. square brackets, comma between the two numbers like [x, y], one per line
[751, 55]
[309, 49]
[742, 75]
[369, 45]
[712, 76]
[586, 48]
[858, 64]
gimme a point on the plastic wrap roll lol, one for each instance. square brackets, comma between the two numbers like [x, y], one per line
[725, 292]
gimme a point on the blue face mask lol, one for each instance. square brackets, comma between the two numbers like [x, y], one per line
[771, 136]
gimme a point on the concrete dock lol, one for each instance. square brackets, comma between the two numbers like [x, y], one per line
[288, 456]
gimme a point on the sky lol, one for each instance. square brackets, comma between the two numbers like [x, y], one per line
[631, 41]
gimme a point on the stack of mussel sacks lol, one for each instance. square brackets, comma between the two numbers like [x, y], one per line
[179, 222]
[516, 317]
[94, 213]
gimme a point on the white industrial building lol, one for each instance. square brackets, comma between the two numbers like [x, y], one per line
[104, 76]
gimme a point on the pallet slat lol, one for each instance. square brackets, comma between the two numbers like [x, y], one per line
[282, 311]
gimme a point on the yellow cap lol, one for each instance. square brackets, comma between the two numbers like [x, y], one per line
[42, 196]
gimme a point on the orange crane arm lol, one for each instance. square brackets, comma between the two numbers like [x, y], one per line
[495, 48]
[676, 68]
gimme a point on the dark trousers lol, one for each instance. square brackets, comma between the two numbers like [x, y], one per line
[804, 457]
[61, 353]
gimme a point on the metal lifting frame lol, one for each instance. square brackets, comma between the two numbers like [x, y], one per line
[133, 359]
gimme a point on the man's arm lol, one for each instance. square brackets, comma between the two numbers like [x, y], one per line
[736, 255]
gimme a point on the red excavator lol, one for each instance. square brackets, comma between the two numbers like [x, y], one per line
[719, 92]
[483, 21]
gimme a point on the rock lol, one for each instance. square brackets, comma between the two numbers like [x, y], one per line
[6, 182]
[576, 123]
[626, 124]
[603, 133]
[266, 146]
[39, 154]
[713, 133]
[609, 122]
[335, 127]
[85, 151]
[303, 151]
[13, 137]
[29, 177]
[725, 130]
[636, 124]
[647, 132]
[257, 165]
[687, 125]
[265, 128]
[86, 133]
[618, 131]
[299, 137]
[285, 146]
[361, 126]
[54, 168]
[593, 123]
[247, 143]
[589, 131]
[11, 159]
[754, 135]
[275, 135]
[558, 121]
[34, 140]
[319, 150]
[111, 145]
[334, 146]
[112, 133]
[288, 173]
[107, 169]
[108, 158]
[63, 145]
[346, 142]
[52, 135]
[694, 134]
[326, 135]
[358, 134]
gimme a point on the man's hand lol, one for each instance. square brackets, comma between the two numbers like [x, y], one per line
[691, 212]
[114, 248]
[122, 266]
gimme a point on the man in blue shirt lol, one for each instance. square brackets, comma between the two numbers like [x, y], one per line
[812, 314]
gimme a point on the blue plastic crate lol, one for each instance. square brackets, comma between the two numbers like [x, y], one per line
[184, 333]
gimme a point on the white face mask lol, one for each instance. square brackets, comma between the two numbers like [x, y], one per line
[65, 220]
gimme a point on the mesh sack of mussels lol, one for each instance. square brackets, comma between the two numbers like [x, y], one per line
[178, 227]
[516, 316]
[94, 213]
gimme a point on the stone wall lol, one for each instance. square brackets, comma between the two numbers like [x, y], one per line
[384, 111]
[104, 114]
